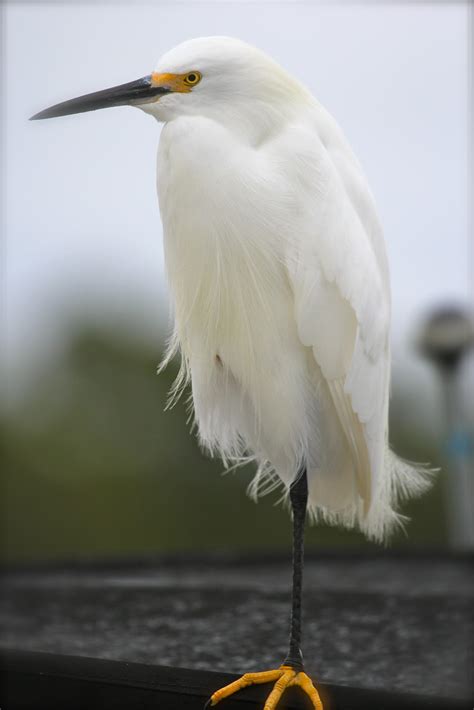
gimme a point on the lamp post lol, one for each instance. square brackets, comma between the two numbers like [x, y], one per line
[445, 339]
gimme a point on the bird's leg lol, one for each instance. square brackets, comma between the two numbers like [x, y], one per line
[291, 672]
[299, 501]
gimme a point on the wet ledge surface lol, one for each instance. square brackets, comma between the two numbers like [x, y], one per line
[395, 624]
[40, 680]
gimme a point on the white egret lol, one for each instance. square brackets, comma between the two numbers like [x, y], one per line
[280, 286]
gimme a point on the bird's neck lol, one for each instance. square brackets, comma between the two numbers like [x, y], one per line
[259, 121]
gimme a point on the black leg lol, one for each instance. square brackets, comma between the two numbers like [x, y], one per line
[299, 499]
[291, 673]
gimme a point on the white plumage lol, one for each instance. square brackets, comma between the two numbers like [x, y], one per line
[279, 283]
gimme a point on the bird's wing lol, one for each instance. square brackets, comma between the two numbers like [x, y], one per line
[340, 281]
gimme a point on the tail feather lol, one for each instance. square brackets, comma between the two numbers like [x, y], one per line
[405, 480]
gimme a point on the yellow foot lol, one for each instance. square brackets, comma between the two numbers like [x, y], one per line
[285, 677]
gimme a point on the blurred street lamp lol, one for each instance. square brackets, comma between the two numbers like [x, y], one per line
[445, 339]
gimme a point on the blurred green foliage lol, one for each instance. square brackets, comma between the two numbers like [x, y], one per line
[93, 466]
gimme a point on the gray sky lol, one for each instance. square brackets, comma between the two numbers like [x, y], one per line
[82, 221]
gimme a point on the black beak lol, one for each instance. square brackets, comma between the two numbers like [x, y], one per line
[134, 93]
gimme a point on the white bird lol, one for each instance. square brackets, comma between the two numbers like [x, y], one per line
[280, 287]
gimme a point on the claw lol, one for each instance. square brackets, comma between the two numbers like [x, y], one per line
[278, 689]
[246, 680]
[306, 685]
[285, 677]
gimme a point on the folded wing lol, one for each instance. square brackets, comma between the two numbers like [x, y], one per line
[340, 282]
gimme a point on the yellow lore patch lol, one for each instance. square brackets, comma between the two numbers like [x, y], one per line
[181, 83]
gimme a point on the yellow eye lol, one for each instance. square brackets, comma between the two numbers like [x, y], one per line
[193, 78]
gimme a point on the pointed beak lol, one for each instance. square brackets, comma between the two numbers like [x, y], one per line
[132, 94]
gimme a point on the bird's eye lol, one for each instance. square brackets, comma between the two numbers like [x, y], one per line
[192, 78]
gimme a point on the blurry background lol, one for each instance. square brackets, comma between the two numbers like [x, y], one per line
[93, 466]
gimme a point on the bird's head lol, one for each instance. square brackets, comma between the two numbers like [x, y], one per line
[209, 76]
